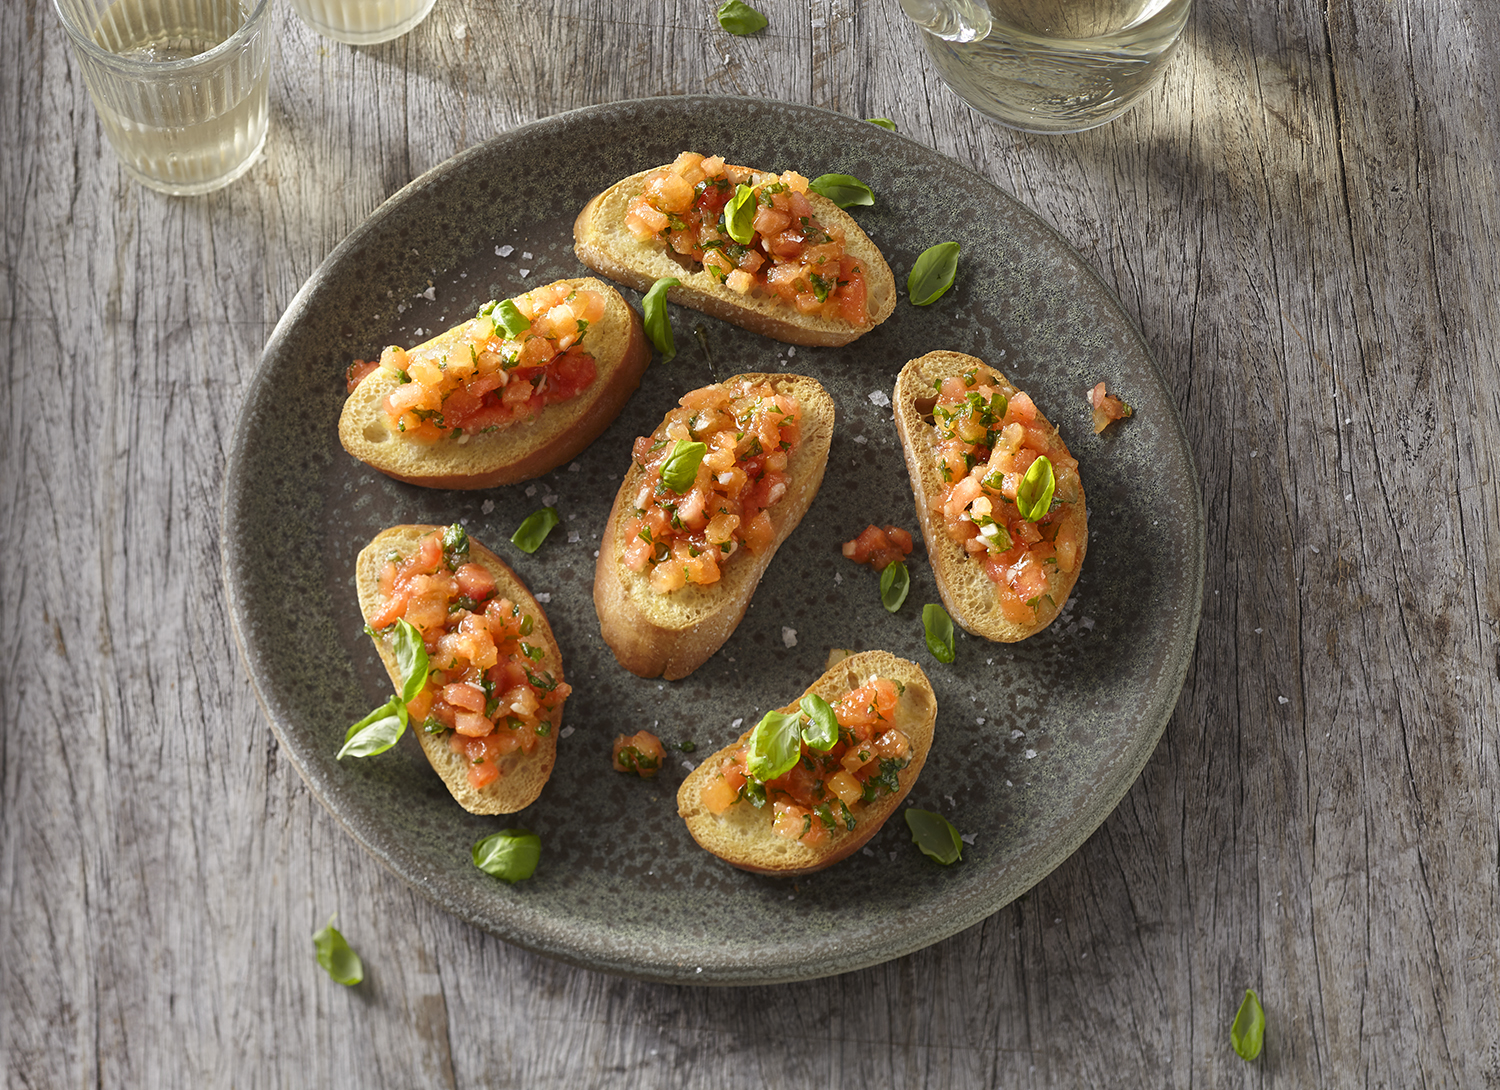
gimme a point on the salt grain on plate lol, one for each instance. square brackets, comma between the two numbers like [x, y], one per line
[526, 255]
[504, 251]
[550, 500]
[880, 399]
[1282, 700]
[1030, 754]
[525, 273]
[788, 637]
[574, 537]
[543, 597]
[736, 724]
[565, 732]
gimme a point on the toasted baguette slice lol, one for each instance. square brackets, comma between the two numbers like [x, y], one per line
[518, 451]
[522, 775]
[671, 635]
[966, 591]
[742, 835]
[602, 242]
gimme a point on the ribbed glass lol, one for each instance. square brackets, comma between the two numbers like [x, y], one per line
[181, 85]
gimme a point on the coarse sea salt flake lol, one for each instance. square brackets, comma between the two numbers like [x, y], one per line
[543, 597]
[565, 732]
[788, 637]
[504, 251]
[880, 399]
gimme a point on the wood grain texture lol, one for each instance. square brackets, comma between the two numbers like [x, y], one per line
[1304, 221]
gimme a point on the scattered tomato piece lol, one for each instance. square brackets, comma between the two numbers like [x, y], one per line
[1107, 408]
[641, 753]
[879, 547]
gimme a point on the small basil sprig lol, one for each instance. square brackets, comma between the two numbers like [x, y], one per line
[334, 955]
[654, 317]
[1034, 493]
[933, 274]
[844, 190]
[895, 581]
[737, 17]
[883, 122]
[383, 727]
[680, 469]
[938, 627]
[776, 742]
[534, 529]
[509, 317]
[1248, 1032]
[739, 215]
[509, 855]
[935, 835]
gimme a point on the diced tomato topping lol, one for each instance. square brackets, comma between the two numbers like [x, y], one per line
[485, 688]
[791, 254]
[879, 547]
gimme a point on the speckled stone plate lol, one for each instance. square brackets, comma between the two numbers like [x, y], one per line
[1035, 743]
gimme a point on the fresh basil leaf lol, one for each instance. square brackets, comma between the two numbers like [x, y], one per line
[739, 215]
[933, 274]
[534, 529]
[334, 955]
[935, 835]
[680, 469]
[376, 732]
[823, 730]
[1034, 493]
[883, 122]
[1248, 1033]
[939, 629]
[775, 745]
[654, 317]
[508, 317]
[895, 581]
[737, 17]
[844, 190]
[455, 546]
[411, 657]
[509, 855]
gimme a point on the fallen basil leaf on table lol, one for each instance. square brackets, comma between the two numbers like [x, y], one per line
[938, 627]
[844, 190]
[933, 274]
[334, 955]
[1248, 1032]
[510, 855]
[1034, 493]
[534, 529]
[895, 581]
[654, 317]
[740, 18]
[935, 835]
[883, 122]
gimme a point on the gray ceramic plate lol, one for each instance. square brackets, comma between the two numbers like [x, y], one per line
[1036, 743]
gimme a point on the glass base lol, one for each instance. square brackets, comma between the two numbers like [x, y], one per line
[347, 20]
[194, 189]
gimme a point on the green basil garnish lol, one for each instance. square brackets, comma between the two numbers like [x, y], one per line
[654, 317]
[844, 190]
[680, 469]
[939, 629]
[376, 732]
[534, 529]
[895, 581]
[334, 955]
[1034, 493]
[509, 855]
[509, 317]
[933, 274]
[738, 17]
[1248, 1032]
[411, 657]
[883, 122]
[823, 730]
[935, 835]
[739, 215]
[455, 546]
[775, 745]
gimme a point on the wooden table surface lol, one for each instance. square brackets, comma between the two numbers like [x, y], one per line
[1303, 223]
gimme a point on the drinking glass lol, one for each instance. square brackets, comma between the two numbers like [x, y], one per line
[181, 85]
[1050, 66]
[362, 22]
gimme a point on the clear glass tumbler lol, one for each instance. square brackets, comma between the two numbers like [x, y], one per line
[1050, 66]
[181, 85]
[362, 22]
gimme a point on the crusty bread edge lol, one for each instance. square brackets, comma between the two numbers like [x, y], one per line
[525, 449]
[624, 600]
[602, 242]
[956, 574]
[522, 775]
[916, 716]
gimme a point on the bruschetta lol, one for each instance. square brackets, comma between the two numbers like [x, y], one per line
[797, 792]
[491, 708]
[752, 247]
[998, 495]
[709, 497]
[518, 389]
